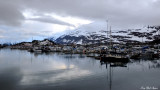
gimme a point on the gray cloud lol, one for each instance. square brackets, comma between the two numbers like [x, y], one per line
[48, 19]
[118, 11]
[10, 12]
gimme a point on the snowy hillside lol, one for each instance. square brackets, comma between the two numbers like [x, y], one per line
[98, 34]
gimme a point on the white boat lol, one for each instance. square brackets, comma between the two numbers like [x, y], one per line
[37, 49]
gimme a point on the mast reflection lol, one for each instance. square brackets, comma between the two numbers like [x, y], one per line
[110, 66]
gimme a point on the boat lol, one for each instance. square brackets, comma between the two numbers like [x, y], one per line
[114, 58]
[35, 49]
[111, 55]
[136, 56]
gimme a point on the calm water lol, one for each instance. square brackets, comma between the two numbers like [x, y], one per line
[22, 70]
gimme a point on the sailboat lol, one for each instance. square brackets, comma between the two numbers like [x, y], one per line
[114, 58]
[111, 55]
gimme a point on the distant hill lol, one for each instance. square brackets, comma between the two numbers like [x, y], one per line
[84, 36]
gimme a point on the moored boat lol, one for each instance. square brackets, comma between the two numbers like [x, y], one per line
[113, 58]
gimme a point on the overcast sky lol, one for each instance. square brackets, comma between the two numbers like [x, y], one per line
[20, 20]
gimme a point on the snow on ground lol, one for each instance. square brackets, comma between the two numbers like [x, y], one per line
[101, 32]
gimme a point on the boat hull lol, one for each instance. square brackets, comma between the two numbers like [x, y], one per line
[114, 59]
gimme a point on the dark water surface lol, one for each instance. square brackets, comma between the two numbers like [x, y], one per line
[22, 70]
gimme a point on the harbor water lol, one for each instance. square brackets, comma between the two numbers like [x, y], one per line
[23, 70]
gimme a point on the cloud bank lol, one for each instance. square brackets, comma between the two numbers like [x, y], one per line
[120, 13]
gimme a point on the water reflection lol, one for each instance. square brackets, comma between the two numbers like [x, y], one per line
[143, 72]
[155, 64]
[21, 70]
[110, 67]
[10, 78]
[114, 64]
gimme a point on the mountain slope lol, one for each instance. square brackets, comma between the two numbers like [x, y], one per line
[82, 36]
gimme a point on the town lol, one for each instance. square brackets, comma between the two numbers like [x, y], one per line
[114, 51]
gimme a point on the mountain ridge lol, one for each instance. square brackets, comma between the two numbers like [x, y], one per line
[84, 36]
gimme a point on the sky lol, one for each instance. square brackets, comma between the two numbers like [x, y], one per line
[24, 20]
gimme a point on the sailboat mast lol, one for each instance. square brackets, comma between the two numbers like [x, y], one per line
[110, 37]
[107, 28]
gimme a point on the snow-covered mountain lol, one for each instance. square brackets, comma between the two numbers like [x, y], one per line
[97, 34]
